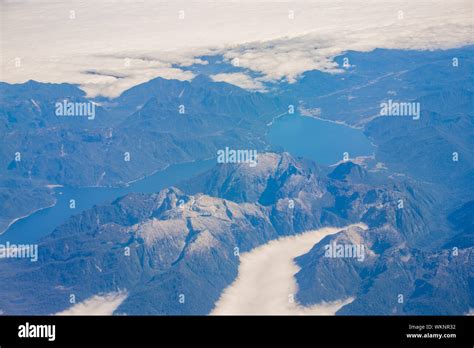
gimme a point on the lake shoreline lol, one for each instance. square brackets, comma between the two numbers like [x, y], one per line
[26, 216]
[176, 173]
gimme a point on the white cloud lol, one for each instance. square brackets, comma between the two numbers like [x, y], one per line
[53, 47]
[105, 304]
[239, 79]
[265, 284]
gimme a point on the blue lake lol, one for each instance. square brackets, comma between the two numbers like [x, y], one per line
[43, 222]
[322, 141]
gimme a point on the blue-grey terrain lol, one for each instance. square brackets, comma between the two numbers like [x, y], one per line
[415, 192]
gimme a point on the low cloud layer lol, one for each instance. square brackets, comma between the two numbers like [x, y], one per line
[109, 46]
[266, 284]
[239, 79]
[104, 304]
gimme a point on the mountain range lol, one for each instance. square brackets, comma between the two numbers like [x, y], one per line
[415, 194]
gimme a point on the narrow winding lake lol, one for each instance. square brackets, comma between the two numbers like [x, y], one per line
[321, 141]
[42, 222]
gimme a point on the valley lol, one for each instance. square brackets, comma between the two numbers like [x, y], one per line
[265, 284]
